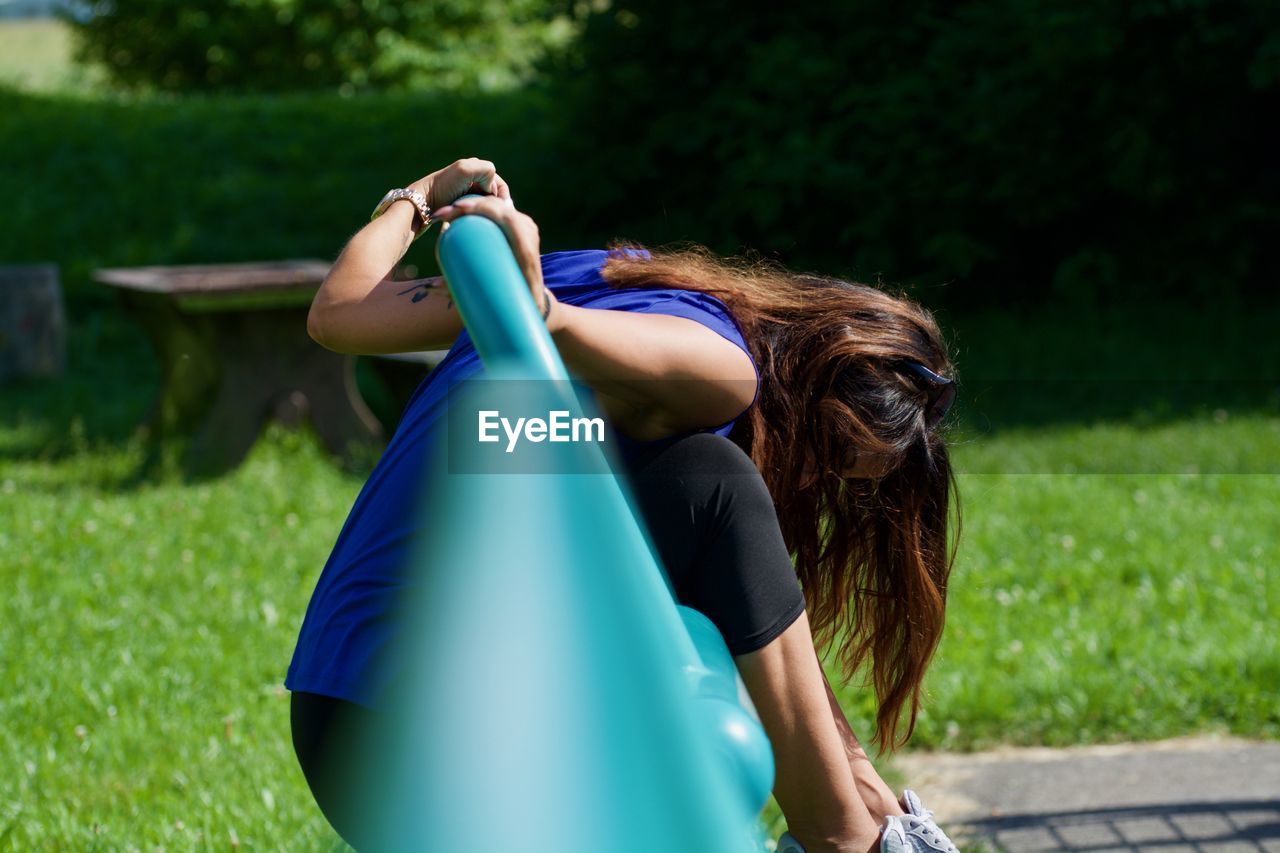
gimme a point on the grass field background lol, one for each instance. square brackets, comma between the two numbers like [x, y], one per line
[1119, 480]
[147, 625]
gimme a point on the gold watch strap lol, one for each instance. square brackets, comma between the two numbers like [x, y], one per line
[418, 200]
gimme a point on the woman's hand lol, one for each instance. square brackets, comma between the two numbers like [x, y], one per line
[521, 231]
[460, 177]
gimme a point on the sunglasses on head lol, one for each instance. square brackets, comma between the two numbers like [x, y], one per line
[942, 392]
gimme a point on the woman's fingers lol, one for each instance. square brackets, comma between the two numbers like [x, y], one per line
[521, 231]
[461, 177]
[498, 187]
[481, 174]
[501, 211]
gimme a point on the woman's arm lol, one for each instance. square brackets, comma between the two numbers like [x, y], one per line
[359, 310]
[656, 375]
[874, 791]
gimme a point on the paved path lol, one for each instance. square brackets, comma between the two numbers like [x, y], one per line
[1188, 794]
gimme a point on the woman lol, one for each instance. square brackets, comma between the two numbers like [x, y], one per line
[762, 414]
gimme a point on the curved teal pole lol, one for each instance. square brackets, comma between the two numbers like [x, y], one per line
[558, 697]
[492, 296]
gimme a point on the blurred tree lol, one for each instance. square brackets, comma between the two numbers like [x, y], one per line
[1019, 148]
[282, 45]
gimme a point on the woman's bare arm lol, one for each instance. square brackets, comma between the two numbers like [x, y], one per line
[878, 796]
[359, 310]
[655, 375]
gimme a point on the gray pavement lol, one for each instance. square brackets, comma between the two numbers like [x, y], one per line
[1188, 794]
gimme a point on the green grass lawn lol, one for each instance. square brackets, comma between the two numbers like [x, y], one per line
[1111, 607]
[145, 633]
[147, 625]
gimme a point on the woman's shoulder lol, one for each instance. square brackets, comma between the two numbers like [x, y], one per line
[581, 266]
[572, 266]
[576, 277]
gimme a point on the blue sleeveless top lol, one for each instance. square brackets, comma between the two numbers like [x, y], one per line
[347, 623]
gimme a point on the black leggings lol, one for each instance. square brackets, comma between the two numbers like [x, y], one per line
[714, 526]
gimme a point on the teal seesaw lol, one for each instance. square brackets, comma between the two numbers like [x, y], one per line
[560, 698]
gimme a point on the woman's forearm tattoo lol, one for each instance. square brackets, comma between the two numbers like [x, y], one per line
[420, 290]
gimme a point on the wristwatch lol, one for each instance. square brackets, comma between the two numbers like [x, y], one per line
[419, 203]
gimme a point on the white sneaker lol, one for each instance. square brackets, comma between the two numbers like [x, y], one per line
[914, 832]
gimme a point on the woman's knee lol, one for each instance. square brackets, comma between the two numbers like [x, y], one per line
[709, 472]
[704, 453]
[736, 567]
[731, 487]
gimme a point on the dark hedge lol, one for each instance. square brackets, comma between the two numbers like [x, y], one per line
[997, 152]
[1015, 149]
[117, 182]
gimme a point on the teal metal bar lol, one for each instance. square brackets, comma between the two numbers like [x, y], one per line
[560, 698]
[493, 299]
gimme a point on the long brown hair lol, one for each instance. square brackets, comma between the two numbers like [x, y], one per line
[872, 554]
